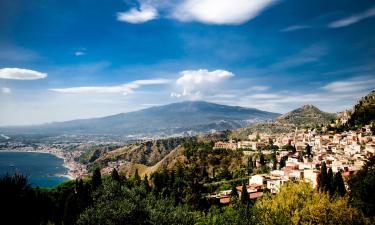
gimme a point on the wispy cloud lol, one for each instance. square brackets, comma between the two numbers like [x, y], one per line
[352, 19]
[20, 74]
[143, 14]
[295, 27]
[124, 88]
[195, 82]
[260, 88]
[79, 53]
[350, 85]
[220, 11]
[308, 55]
[5, 90]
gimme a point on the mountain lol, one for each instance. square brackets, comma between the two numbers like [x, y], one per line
[307, 115]
[176, 118]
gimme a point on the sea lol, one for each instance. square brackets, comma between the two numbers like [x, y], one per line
[41, 169]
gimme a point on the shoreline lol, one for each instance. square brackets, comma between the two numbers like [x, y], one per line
[69, 174]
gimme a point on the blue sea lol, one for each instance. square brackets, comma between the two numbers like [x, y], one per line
[43, 170]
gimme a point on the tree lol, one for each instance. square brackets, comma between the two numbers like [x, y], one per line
[250, 166]
[244, 194]
[330, 187]
[339, 186]
[283, 162]
[137, 178]
[261, 159]
[299, 203]
[362, 186]
[96, 179]
[274, 161]
[323, 184]
[234, 194]
[308, 150]
[115, 175]
[146, 184]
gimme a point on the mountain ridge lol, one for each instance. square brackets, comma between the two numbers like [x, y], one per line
[170, 119]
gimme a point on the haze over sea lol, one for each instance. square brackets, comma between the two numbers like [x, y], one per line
[42, 169]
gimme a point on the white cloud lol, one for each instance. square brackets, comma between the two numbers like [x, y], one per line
[20, 74]
[350, 85]
[259, 88]
[220, 11]
[265, 96]
[352, 19]
[125, 88]
[5, 90]
[294, 28]
[141, 15]
[196, 82]
[79, 53]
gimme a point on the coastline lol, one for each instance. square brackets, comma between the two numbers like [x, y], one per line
[70, 170]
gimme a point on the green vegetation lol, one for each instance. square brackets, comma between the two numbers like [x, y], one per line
[180, 196]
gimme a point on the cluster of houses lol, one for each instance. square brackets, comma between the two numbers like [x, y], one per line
[344, 152]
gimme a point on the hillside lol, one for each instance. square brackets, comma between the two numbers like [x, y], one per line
[306, 116]
[142, 154]
[176, 118]
[364, 111]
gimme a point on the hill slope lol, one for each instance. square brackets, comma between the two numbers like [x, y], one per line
[307, 115]
[197, 116]
[364, 111]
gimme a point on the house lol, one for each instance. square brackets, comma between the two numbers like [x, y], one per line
[274, 184]
[232, 145]
[256, 179]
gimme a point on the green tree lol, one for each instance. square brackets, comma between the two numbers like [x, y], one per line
[96, 179]
[146, 184]
[245, 199]
[323, 181]
[362, 186]
[250, 166]
[308, 150]
[299, 203]
[115, 176]
[283, 162]
[261, 159]
[330, 184]
[234, 194]
[339, 186]
[137, 179]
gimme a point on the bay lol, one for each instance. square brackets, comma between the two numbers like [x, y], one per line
[42, 169]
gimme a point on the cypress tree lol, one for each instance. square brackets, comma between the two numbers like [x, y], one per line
[323, 177]
[244, 195]
[339, 184]
[261, 159]
[330, 187]
[96, 179]
[137, 178]
[234, 192]
[250, 165]
[115, 175]
[146, 184]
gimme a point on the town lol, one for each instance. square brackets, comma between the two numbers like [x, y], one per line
[299, 156]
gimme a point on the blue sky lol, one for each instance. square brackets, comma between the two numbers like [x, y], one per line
[62, 60]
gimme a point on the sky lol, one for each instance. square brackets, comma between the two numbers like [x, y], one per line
[68, 59]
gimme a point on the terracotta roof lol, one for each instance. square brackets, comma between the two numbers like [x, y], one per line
[225, 200]
[255, 195]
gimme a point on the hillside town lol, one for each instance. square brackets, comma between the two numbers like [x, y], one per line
[343, 152]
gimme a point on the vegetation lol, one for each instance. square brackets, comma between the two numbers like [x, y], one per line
[179, 196]
[364, 111]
